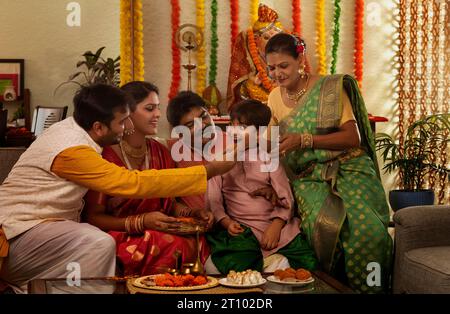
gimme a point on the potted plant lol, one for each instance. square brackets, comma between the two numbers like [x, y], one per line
[424, 139]
[19, 116]
[96, 70]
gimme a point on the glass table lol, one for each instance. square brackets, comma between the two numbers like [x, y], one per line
[323, 284]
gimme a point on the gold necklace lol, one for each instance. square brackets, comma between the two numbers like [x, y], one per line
[127, 162]
[131, 151]
[296, 96]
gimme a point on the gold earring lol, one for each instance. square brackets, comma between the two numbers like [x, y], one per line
[302, 71]
[129, 131]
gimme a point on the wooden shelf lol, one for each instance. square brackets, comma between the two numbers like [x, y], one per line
[27, 107]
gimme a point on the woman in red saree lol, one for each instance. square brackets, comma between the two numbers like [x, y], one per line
[144, 228]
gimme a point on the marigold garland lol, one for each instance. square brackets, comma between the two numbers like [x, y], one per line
[138, 41]
[337, 15]
[320, 41]
[254, 11]
[125, 42]
[262, 74]
[201, 52]
[214, 44]
[176, 58]
[296, 17]
[359, 29]
[131, 41]
[234, 10]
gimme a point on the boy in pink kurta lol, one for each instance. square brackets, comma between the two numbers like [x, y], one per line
[250, 228]
[233, 190]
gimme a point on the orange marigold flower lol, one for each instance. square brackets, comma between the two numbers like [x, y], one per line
[188, 220]
[200, 280]
[167, 283]
[168, 276]
[188, 279]
[178, 281]
[254, 54]
[160, 279]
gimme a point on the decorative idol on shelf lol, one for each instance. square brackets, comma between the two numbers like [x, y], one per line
[248, 74]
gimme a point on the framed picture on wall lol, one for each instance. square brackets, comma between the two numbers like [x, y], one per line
[12, 76]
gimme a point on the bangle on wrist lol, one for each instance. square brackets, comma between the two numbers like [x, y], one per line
[135, 224]
[307, 140]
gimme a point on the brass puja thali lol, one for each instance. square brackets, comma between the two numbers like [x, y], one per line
[169, 282]
[188, 226]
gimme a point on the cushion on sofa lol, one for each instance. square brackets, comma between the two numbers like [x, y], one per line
[427, 270]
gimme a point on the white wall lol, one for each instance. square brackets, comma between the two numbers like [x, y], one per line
[37, 32]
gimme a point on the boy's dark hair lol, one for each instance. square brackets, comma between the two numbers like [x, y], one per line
[182, 104]
[251, 112]
[139, 90]
[98, 102]
[285, 43]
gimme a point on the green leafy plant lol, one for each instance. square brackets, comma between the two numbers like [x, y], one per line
[19, 113]
[424, 140]
[95, 69]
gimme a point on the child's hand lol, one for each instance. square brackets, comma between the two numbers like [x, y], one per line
[271, 195]
[271, 236]
[234, 228]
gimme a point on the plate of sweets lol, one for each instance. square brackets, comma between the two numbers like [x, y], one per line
[189, 226]
[291, 276]
[245, 279]
[169, 282]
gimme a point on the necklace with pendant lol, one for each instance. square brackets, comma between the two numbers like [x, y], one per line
[296, 96]
[125, 157]
[131, 151]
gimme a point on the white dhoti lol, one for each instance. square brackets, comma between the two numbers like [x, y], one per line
[55, 250]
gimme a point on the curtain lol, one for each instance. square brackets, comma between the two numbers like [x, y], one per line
[423, 73]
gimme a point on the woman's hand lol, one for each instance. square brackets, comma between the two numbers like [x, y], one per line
[159, 221]
[269, 194]
[271, 236]
[289, 142]
[204, 215]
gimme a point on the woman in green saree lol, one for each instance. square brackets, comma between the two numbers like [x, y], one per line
[327, 148]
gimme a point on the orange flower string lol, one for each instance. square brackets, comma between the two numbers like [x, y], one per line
[359, 29]
[138, 54]
[176, 58]
[296, 15]
[201, 52]
[262, 74]
[125, 42]
[320, 38]
[131, 41]
[234, 8]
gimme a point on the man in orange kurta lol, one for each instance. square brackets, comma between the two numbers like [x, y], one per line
[42, 198]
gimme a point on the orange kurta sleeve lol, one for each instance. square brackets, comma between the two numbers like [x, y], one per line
[84, 166]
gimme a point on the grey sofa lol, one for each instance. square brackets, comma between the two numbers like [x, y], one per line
[422, 250]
